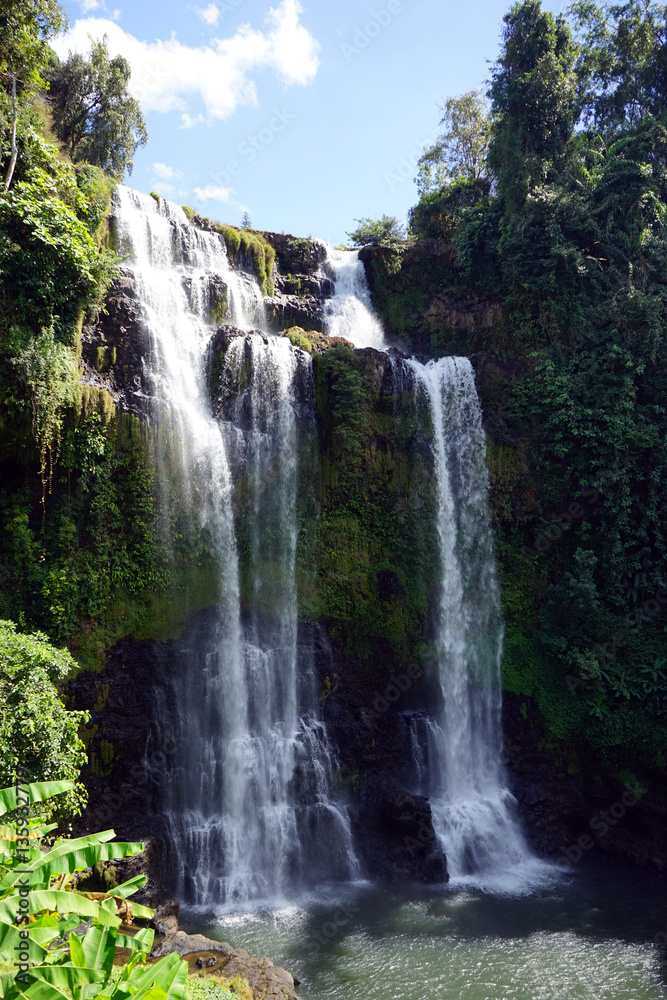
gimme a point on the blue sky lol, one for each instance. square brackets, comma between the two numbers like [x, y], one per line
[306, 114]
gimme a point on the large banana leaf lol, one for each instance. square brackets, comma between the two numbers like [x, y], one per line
[73, 855]
[38, 791]
[10, 939]
[60, 902]
[95, 951]
[41, 990]
[67, 977]
[142, 941]
[76, 951]
[55, 913]
[165, 978]
[98, 948]
[7, 984]
[127, 888]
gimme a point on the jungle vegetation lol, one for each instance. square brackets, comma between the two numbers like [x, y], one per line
[544, 204]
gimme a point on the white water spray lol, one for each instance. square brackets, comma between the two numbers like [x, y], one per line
[349, 313]
[238, 832]
[474, 813]
[457, 750]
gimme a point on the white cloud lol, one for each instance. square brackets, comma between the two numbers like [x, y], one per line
[166, 74]
[165, 172]
[209, 14]
[213, 193]
[164, 189]
[88, 5]
[187, 121]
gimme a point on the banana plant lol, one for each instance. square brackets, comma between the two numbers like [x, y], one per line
[69, 937]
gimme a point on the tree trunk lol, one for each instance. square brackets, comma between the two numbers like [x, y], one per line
[15, 114]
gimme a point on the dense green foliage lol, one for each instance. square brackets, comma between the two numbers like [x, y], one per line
[374, 552]
[59, 939]
[39, 738]
[94, 115]
[73, 565]
[556, 274]
[460, 151]
[383, 232]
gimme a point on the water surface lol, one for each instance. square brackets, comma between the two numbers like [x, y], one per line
[590, 934]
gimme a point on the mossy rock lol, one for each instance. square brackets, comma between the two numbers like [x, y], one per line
[314, 342]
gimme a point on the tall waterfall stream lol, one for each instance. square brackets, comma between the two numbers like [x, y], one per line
[235, 830]
[241, 844]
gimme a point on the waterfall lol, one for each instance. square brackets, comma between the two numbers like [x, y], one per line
[456, 750]
[248, 799]
[474, 813]
[349, 314]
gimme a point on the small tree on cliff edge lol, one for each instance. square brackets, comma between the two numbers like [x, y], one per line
[386, 231]
[94, 115]
[460, 151]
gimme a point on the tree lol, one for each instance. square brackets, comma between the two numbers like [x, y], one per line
[386, 231]
[439, 214]
[245, 221]
[460, 151]
[533, 93]
[38, 736]
[621, 63]
[94, 115]
[25, 25]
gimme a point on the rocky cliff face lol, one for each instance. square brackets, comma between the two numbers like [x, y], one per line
[113, 351]
[364, 603]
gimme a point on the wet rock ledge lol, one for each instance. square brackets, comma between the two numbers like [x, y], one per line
[203, 955]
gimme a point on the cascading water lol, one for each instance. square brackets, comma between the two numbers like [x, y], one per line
[349, 314]
[238, 827]
[473, 811]
[259, 385]
[456, 753]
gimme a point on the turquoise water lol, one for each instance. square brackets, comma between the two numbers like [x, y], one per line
[590, 934]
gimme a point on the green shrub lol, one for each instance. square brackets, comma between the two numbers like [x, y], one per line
[297, 336]
[38, 737]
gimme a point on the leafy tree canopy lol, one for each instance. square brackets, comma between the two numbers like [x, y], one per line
[622, 62]
[386, 231]
[460, 151]
[94, 115]
[533, 100]
[25, 25]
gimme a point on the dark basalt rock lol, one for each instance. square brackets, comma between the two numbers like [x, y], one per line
[319, 285]
[394, 833]
[124, 766]
[114, 349]
[392, 827]
[284, 311]
[297, 257]
[301, 287]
